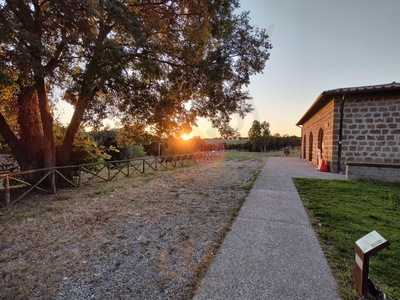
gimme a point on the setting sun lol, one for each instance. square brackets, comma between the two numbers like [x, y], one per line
[186, 136]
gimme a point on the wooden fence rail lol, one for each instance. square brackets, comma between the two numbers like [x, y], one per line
[17, 185]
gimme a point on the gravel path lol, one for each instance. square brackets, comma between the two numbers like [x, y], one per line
[272, 251]
[148, 237]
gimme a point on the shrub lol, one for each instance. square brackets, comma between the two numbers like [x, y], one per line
[132, 151]
[84, 149]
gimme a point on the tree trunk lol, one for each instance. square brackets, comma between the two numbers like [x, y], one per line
[35, 146]
[48, 147]
[64, 154]
[30, 130]
[86, 94]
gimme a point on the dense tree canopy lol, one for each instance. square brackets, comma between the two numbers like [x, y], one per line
[162, 63]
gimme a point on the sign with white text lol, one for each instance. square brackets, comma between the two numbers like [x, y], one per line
[370, 241]
[366, 247]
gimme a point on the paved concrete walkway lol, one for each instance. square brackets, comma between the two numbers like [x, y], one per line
[272, 251]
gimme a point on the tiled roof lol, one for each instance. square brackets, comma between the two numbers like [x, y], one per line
[367, 88]
[323, 97]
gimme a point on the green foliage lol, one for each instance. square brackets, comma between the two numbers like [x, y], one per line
[260, 139]
[122, 143]
[228, 133]
[131, 134]
[8, 107]
[344, 211]
[105, 137]
[259, 130]
[255, 131]
[265, 131]
[85, 149]
[166, 64]
[132, 151]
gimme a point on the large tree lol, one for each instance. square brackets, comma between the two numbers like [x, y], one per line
[164, 63]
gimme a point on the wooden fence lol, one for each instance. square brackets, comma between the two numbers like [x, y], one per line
[17, 185]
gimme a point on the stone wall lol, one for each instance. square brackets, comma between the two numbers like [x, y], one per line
[376, 172]
[371, 130]
[323, 120]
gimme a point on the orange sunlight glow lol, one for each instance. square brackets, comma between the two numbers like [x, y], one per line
[186, 136]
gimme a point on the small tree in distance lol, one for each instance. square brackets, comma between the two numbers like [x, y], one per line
[259, 135]
[261, 140]
[255, 131]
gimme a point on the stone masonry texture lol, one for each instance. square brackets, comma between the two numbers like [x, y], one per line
[370, 133]
[370, 172]
[323, 121]
[371, 130]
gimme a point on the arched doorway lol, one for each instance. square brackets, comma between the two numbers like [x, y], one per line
[320, 154]
[304, 147]
[310, 147]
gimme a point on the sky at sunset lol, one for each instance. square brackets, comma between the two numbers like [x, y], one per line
[317, 45]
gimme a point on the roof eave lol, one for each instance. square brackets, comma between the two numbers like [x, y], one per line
[304, 118]
[317, 104]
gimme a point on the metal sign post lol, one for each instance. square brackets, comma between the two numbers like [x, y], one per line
[366, 247]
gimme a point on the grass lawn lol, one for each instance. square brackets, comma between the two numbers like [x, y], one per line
[341, 212]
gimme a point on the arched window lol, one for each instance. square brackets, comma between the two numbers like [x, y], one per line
[310, 147]
[305, 147]
[320, 140]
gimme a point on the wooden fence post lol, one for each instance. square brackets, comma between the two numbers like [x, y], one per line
[79, 176]
[6, 183]
[53, 181]
[143, 166]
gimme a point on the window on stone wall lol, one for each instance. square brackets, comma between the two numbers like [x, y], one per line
[310, 147]
[304, 147]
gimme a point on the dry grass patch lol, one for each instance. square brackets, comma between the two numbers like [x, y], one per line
[135, 238]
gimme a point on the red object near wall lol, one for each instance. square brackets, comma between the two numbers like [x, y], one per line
[324, 166]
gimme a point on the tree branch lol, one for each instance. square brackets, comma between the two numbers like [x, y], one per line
[23, 12]
[52, 64]
[86, 94]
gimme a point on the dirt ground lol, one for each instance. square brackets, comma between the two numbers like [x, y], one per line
[148, 237]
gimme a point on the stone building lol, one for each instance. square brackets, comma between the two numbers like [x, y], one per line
[357, 127]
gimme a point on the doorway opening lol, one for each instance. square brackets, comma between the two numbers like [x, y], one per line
[310, 147]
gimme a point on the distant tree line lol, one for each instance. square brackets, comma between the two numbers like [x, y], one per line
[134, 141]
[261, 140]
